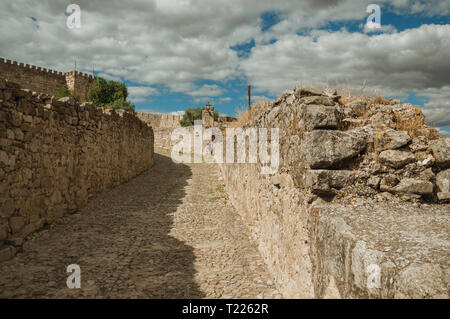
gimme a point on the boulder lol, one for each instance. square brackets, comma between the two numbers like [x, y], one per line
[443, 196]
[392, 140]
[331, 92]
[419, 144]
[325, 148]
[413, 186]
[68, 100]
[395, 159]
[441, 151]
[303, 91]
[443, 181]
[318, 100]
[357, 107]
[321, 181]
[318, 116]
[388, 181]
[374, 182]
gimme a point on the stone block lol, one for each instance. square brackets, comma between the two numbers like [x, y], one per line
[16, 223]
[7, 253]
[413, 186]
[441, 151]
[318, 117]
[322, 181]
[395, 158]
[325, 148]
[443, 181]
[392, 140]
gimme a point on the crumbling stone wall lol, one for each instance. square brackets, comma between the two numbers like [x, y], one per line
[44, 80]
[359, 206]
[160, 120]
[208, 116]
[55, 155]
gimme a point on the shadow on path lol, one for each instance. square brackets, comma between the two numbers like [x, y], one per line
[121, 242]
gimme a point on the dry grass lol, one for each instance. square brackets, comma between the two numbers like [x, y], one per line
[375, 99]
[415, 125]
[244, 115]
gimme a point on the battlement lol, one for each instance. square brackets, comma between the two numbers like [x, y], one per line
[28, 67]
[45, 80]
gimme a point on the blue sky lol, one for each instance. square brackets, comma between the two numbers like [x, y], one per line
[237, 88]
[178, 54]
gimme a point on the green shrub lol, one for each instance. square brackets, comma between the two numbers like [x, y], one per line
[192, 114]
[99, 92]
[111, 94]
[65, 92]
[121, 104]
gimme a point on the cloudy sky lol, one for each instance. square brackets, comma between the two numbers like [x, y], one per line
[175, 54]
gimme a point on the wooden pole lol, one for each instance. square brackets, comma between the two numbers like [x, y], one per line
[249, 97]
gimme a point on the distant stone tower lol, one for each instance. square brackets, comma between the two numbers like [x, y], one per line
[208, 116]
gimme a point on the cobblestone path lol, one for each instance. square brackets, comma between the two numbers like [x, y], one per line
[168, 233]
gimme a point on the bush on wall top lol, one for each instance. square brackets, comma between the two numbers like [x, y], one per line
[192, 114]
[65, 92]
[110, 94]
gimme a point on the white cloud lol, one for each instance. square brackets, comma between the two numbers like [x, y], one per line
[415, 60]
[207, 91]
[384, 28]
[177, 113]
[140, 93]
[225, 99]
[437, 109]
[179, 43]
[260, 98]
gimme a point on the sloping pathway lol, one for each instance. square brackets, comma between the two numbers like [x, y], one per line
[168, 233]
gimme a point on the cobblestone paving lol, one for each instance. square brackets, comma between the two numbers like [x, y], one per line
[169, 233]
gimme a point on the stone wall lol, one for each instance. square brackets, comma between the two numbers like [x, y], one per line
[80, 83]
[44, 80]
[359, 206]
[160, 120]
[55, 155]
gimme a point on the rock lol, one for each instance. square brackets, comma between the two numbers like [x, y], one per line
[358, 107]
[427, 161]
[276, 180]
[325, 148]
[302, 91]
[3, 233]
[286, 180]
[374, 182]
[7, 253]
[387, 182]
[395, 159]
[318, 100]
[443, 181]
[321, 181]
[413, 186]
[16, 223]
[4, 158]
[68, 100]
[7, 208]
[318, 117]
[330, 92]
[443, 196]
[419, 144]
[441, 151]
[392, 140]
[421, 281]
